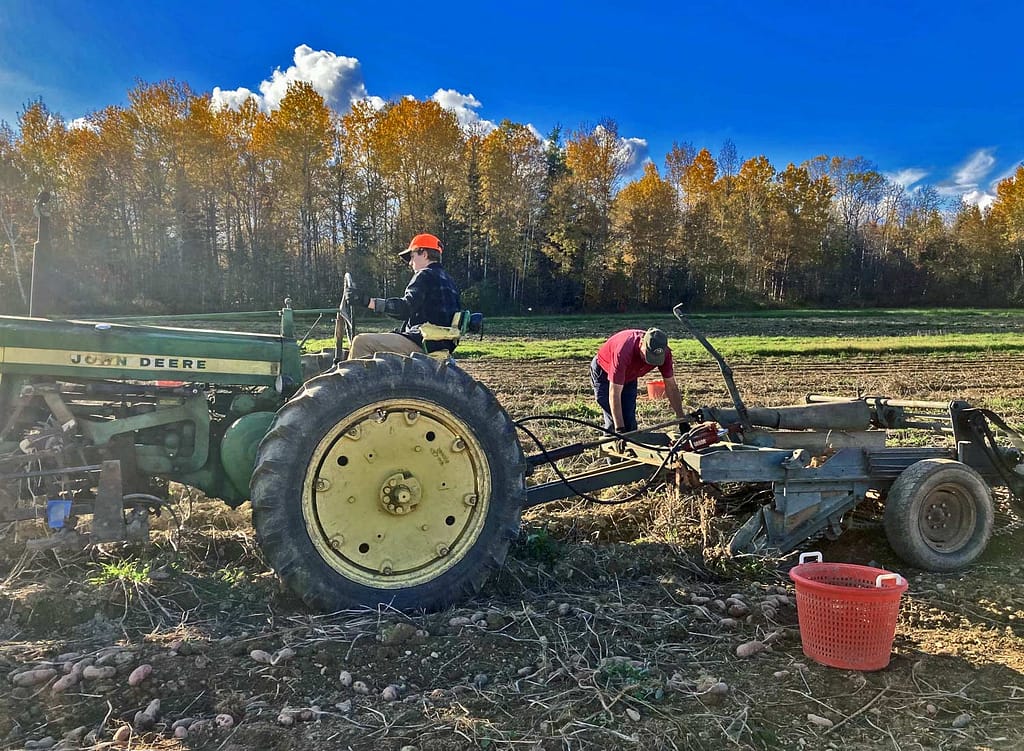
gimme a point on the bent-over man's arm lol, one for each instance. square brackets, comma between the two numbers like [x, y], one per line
[674, 399]
[615, 402]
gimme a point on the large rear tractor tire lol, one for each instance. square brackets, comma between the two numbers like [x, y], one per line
[394, 480]
[939, 515]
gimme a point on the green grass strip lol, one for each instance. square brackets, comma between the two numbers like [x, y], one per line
[744, 347]
[740, 347]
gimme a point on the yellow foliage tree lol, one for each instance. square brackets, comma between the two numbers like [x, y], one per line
[697, 180]
[645, 222]
[297, 140]
[595, 162]
[1007, 211]
[512, 170]
[1007, 217]
[420, 148]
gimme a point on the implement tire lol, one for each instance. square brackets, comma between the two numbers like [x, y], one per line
[939, 515]
[392, 481]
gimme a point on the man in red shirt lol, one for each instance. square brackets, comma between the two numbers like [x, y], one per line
[620, 361]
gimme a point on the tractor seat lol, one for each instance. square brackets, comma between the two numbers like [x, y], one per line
[463, 322]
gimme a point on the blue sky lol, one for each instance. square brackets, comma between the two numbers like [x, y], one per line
[928, 91]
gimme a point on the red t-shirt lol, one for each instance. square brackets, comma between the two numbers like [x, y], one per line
[621, 359]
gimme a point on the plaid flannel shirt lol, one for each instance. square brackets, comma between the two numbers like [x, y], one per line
[430, 297]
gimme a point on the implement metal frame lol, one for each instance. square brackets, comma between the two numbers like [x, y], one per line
[817, 475]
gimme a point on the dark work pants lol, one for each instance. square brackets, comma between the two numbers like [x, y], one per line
[599, 380]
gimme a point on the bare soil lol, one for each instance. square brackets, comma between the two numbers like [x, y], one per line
[609, 627]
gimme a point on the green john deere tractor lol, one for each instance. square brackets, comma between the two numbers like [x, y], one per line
[394, 480]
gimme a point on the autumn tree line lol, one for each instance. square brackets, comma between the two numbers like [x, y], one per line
[171, 205]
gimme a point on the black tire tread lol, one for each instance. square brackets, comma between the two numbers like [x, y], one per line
[320, 404]
[901, 514]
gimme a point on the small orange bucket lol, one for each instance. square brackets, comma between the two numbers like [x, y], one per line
[656, 389]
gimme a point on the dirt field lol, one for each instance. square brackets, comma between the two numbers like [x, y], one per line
[610, 627]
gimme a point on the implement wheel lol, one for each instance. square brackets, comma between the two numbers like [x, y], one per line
[394, 480]
[939, 515]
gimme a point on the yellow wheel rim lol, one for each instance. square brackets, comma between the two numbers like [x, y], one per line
[396, 494]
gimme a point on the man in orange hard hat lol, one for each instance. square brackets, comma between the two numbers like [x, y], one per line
[430, 297]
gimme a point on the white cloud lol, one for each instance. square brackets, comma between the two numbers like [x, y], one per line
[978, 198]
[907, 177]
[634, 153]
[465, 107]
[339, 80]
[232, 99]
[966, 182]
[83, 123]
[979, 164]
[630, 152]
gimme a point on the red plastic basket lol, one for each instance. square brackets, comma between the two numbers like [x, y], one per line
[847, 613]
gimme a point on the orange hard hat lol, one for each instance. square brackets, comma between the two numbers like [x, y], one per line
[424, 241]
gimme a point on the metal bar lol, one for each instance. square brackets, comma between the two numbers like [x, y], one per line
[937, 426]
[108, 511]
[617, 474]
[741, 408]
[42, 290]
[562, 452]
[642, 435]
[236, 316]
[884, 400]
[815, 441]
[50, 472]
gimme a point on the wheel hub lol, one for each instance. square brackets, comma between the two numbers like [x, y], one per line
[947, 519]
[400, 494]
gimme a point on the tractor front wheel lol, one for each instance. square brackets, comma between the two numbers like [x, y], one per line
[939, 515]
[394, 480]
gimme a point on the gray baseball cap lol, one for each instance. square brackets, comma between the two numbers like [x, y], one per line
[655, 343]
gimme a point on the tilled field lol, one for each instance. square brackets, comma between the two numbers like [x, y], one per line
[610, 626]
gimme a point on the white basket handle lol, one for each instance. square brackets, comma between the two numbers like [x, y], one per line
[805, 557]
[896, 579]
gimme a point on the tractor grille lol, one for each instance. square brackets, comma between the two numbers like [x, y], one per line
[890, 462]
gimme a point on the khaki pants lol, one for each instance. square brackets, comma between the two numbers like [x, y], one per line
[367, 345]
